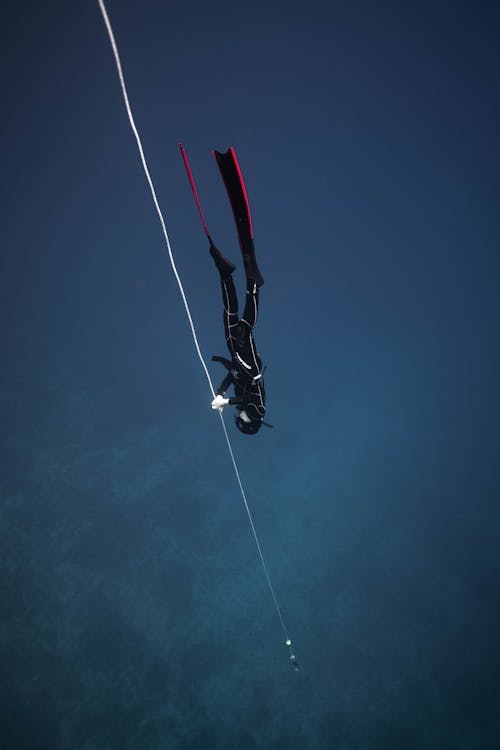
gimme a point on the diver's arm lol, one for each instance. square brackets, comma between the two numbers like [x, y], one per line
[236, 400]
[225, 384]
[220, 402]
[224, 361]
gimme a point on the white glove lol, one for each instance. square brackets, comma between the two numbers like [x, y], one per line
[219, 402]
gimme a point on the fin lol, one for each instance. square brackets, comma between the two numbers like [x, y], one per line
[193, 188]
[224, 266]
[251, 269]
[236, 191]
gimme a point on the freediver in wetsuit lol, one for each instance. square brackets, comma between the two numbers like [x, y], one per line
[245, 366]
[244, 369]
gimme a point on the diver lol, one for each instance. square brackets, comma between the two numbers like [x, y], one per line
[244, 369]
[245, 366]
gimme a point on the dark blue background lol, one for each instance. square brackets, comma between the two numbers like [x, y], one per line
[134, 610]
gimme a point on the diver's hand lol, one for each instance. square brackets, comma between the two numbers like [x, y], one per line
[219, 402]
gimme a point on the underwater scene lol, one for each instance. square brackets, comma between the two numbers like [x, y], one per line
[295, 546]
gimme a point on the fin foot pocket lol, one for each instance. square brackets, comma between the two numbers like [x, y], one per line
[252, 269]
[224, 266]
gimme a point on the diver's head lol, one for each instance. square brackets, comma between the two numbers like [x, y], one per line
[247, 425]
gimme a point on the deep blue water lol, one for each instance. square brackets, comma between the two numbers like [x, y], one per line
[134, 611]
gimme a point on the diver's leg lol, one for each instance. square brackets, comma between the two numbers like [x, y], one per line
[246, 344]
[231, 319]
[251, 303]
[229, 297]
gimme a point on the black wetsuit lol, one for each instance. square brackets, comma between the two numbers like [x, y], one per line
[245, 366]
[244, 369]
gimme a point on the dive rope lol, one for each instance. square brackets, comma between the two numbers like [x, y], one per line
[288, 642]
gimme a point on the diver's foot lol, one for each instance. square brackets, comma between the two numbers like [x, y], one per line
[224, 266]
[252, 269]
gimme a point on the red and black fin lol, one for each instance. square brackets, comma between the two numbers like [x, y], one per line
[195, 192]
[236, 190]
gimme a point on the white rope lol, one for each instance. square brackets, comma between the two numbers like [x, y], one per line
[151, 187]
[243, 494]
[188, 312]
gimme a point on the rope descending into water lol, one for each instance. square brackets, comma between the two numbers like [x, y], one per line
[188, 312]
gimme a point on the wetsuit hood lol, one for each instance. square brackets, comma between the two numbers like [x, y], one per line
[248, 428]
